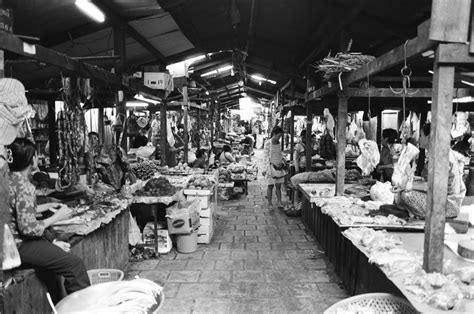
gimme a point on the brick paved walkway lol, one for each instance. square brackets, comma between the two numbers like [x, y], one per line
[259, 261]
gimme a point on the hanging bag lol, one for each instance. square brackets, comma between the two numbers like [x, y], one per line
[278, 171]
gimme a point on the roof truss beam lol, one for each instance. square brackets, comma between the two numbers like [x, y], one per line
[107, 7]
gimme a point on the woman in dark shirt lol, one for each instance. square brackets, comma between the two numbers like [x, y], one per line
[201, 159]
[29, 233]
[385, 167]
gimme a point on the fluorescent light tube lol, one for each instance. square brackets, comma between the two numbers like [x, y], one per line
[209, 73]
[141, 98]
[91, 10]
[224, 68]
[467, 83]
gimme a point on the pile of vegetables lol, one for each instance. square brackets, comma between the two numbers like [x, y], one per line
[157, 187]
[181, 168]
[146, 169]
[224, 176]
[200, 183]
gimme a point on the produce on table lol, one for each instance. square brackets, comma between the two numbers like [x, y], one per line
[181, 168]
[200, 183]
[224, 176]
[146, 169]
[157, 187]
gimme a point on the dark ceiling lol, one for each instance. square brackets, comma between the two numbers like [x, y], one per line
[274, 39]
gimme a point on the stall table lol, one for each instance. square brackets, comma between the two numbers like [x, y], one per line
[367, 275]
[105, 247]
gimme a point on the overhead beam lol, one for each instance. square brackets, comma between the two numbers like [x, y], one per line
[327, 38]
[454, 54]
[414, 47]
[258, 91]
[266, 69]
[107, 7]
[400, 78]
[411, 92]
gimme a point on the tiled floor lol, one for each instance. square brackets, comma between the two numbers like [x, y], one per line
[258, 261]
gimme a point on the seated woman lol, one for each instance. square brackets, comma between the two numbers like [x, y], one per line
[201, 159]
[29, 233]
[226, 156]
[415, 201]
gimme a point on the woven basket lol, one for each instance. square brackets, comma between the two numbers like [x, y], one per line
[104, 275]
[378, 302]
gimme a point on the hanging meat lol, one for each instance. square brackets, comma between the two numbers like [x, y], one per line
[70, 125]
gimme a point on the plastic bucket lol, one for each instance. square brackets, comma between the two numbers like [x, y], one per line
[187, 243]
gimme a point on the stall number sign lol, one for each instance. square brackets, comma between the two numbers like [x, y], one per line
[158, 80]
[6, 22]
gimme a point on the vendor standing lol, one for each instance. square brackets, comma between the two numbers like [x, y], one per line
[385, 167]
[34, 249]
[299, 155]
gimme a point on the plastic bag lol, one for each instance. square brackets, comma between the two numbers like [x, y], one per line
[382, 192]
[11, 258]
[403, 172]
[134, 235]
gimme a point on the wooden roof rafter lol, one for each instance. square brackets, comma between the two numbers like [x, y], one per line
[14, 44]
[107, 7]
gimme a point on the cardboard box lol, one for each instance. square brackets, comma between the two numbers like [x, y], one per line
[205, 238]
[206, 229]
[158, 80]
[205, 200]
[183, 220]
[207, 211]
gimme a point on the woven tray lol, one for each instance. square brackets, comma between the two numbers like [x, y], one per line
[378, 302]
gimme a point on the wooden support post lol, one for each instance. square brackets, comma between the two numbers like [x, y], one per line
[212, 115]
[4, 210]
[120, 49]
[379, 127]
[309, 126]
[292, 124]
[53, 137]
[341, 143]
[292, 134]
[100, 124]
[185, 113]
[441, 115]
[163, 134]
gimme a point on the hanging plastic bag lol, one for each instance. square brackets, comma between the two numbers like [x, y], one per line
[169, 134]
[403, 172]
[11, 258]
[134, 235]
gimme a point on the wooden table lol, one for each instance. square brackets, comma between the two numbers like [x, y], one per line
[351, 263]
[106, 247]
[413, 243]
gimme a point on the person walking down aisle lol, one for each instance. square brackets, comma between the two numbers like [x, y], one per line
[274, 165]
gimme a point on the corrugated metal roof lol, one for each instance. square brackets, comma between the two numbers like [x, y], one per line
[163, 33]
